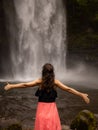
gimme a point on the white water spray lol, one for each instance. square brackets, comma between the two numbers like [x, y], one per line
[40, 37]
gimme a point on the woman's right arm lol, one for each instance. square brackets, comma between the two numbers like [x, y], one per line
[23, 85]
[73, 91]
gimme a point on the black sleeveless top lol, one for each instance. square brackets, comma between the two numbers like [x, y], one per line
[45, 96]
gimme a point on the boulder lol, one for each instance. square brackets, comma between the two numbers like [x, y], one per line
[85, 120]
[14, 127]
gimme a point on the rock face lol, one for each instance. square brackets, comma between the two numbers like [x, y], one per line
[85, 120]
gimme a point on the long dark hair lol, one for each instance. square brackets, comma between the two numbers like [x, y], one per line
[48, 77]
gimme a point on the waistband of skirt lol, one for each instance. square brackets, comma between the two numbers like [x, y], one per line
[46, 103]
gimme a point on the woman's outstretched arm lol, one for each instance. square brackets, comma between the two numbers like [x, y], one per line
[71, 90]
[23, 85]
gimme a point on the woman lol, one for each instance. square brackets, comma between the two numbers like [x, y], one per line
[47, 117]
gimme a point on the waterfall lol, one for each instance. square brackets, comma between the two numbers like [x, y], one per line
[37, 34]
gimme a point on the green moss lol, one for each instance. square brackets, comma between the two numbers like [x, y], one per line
[85, 120]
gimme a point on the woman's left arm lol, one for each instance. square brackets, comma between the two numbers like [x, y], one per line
[23, 85]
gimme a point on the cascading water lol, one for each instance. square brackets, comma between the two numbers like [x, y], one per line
[37, 35]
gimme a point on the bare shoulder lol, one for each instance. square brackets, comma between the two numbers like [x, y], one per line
[38, 81]
[33, 83]
[61, 85]
[57, 82]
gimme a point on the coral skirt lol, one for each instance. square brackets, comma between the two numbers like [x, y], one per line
[47, 117]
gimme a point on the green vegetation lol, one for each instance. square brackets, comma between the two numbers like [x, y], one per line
[82, 16]
[82, 29]
[85, 120]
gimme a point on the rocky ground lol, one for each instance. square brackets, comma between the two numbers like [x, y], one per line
[5, 123]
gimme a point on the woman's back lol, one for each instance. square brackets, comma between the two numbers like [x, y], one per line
[46, 96]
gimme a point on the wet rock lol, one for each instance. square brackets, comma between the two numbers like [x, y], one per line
[65, 127]
[85, 120]
[7, 122]
[14, 127]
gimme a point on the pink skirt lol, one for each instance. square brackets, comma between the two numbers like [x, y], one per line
[47, 117]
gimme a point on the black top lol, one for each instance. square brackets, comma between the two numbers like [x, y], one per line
[46, 96]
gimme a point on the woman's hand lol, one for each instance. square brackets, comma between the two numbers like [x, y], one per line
[85, 97]
[7, 87]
